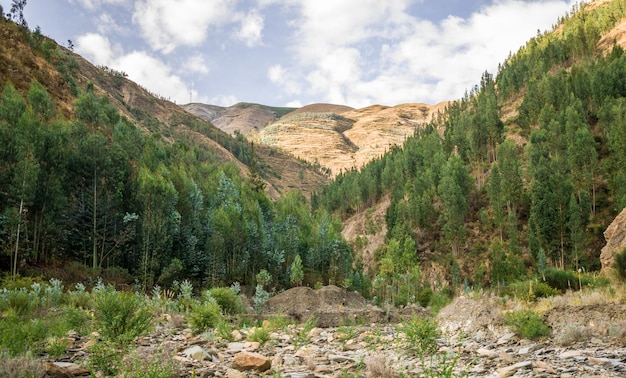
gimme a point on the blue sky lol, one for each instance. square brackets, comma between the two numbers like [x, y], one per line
[297, 52]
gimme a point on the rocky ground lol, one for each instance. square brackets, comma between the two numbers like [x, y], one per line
[587, 340]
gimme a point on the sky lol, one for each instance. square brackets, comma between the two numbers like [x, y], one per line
[297, 52]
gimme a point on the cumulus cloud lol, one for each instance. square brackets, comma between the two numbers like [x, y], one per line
[167, 24]
[251, 31]
[196, 64]
[360, 52]
[141, 67]
[283, 78]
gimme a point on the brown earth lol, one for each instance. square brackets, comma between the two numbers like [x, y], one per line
[346, 140]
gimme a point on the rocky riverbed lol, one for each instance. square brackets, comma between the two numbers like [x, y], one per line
[587, 340]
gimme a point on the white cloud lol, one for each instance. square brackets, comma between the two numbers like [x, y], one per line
[360, 52]
[141, 67]
[167, 24]
[283, 78]
[196, 64]
[94, 4]
[106, 23]
[224, 100]
[251, 31]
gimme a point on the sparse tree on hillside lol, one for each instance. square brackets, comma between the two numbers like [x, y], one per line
[17, 12]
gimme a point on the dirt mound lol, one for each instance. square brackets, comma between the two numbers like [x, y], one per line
[480, 318]
[330, 305]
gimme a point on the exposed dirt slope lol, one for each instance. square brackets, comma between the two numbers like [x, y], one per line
[346, 140]
[242, 117]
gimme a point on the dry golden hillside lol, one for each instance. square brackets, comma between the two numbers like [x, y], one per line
[341, 141]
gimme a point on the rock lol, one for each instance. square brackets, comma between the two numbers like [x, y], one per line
[615, 236]
[510, 370]
[65, 369]
[483, 352]
[232, 373]
[196, 353]
[237, 335]
[250, 361]
[339, 358]
[505, 339]
[251, 346]
[236, 347]
[570, 354]
[504, 356]
[544, 366]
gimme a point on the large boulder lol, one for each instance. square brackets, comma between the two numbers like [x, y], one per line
[615, 236]
[244, 361]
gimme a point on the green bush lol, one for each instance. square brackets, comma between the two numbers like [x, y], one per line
[19, 336]
[204, 316]
[530, 290]
[227, 299]
[563, 280]
[439, 300]
[159, 365]
[422, 335]
[260, 335]
[121, 316]
[620, 264]
[424, 296]
[527, 324]
[105, 358]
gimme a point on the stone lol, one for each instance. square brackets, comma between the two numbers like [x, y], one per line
[197, 353]
[504, 356]
[615, 236]
[505, 339]
[483, 352]
[244, 361]
[544, 366]
[65, 369]
[570, 354]
[340, 358]
[235, 347]
[237, 335]
[251, 346]
[232, 373]
[510, 370]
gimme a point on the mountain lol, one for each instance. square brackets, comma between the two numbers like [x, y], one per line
[335, 137]
[242, 117]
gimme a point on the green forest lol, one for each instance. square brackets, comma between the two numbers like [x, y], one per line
[521, 175]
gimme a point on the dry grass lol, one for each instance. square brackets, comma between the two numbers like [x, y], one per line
[21, 367]
[585, 297]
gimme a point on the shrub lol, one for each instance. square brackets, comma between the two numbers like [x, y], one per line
[227, 299]
[260, 335]
[439, 301]
[562, 280]
[104, 357]
[159, 365]
[422, 335]
[527, 324]
[204, 316]
[423, 297]
[530, 290]
[121, 316]
[620, 264]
